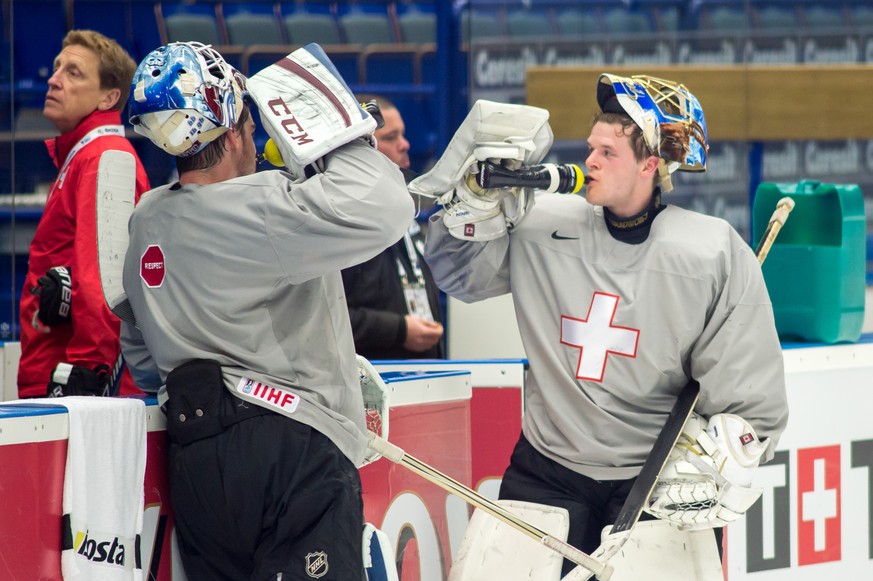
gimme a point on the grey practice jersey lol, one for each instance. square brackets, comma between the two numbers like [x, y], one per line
[613, 331]
[250, 278]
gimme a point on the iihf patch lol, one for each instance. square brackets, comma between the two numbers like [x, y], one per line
[747, 438]
[278, 398]
[316, 564]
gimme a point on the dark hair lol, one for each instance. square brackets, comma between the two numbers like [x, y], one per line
[212, 154]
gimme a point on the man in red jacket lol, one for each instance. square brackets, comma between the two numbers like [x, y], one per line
[69, 338]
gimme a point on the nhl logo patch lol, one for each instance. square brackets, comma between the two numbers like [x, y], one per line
[316, 564]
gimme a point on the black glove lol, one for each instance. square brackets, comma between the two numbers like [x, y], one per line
[77, 380]
[55, 292]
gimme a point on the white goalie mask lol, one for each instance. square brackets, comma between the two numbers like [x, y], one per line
[185, 95]
[668, 114]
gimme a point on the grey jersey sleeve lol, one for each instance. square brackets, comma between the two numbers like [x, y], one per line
[344, 216]
[738, 357]
[468, 271]
[139, 361]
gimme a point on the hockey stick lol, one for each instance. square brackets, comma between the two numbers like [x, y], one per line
[447, 483]
[777, 220]
[645, 483]
[116, 195]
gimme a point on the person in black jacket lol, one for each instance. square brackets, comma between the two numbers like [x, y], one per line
[393, 302]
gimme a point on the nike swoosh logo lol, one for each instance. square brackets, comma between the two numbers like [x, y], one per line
[556, 236]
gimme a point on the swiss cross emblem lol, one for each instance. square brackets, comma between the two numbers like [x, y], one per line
[597, 337]
[152, 267]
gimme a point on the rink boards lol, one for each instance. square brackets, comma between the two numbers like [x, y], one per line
[463, 418]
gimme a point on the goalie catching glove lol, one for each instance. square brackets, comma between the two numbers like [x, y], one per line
[480, 215]
[706, 481]
[506, 134]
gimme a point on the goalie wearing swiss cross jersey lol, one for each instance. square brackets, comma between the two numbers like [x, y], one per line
[621, 300]
[234, 280]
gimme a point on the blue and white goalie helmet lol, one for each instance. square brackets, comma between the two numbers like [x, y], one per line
[184, 95]
[670, 117]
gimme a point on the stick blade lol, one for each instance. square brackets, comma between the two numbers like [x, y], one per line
[116, 195]
[648, 477]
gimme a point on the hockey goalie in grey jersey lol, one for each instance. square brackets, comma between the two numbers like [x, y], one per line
[621, 299]
[234, 279]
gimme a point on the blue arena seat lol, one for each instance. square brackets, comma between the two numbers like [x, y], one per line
[529, 22]
[572, 22]
[181, 21]
[775, 18]
[861, 16]
[480, 24]
[417, 26]
[305, 27]
[626, 22]
[723, 19]
[248, 23]
[823, 18]
[365, 28]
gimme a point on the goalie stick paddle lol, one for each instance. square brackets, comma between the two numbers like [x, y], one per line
[116, 195]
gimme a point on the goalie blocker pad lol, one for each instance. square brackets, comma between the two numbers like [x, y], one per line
[307, 108]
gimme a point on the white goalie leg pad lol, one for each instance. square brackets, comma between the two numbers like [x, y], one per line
[379, 561]
[491, 549]
[659, 551]
[307, 108]
[491, 130]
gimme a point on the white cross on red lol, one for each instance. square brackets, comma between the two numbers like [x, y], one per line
[596, 337]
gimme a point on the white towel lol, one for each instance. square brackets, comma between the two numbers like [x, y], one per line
[103, 487]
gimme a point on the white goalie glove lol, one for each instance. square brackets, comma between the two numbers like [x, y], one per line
[307, 108]
[511, 135]
[484, 215]
[707, 479]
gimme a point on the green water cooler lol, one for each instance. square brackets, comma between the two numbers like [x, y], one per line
[815, 271]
